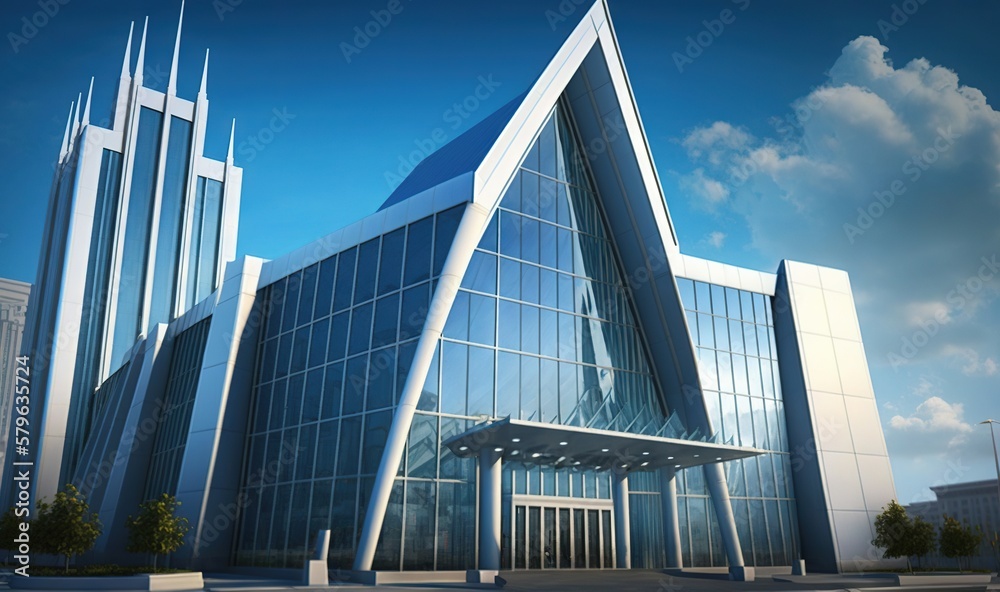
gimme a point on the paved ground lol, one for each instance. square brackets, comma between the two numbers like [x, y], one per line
[601, 581]
[585, 581]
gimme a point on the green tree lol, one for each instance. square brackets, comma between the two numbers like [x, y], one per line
[959, 540]
[10, 529]
[156, 529]
[922, 539]
[65, 527]
[893, 530]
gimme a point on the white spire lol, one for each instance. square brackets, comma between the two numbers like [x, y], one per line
[232, 141]
[76, 118]
[86, 109]
[204, 77]
[140, 64]
[128, 53]
[172, 84]
[65, 143]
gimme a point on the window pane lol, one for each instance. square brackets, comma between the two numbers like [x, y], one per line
[422, 456]
[313, 395]
[508, 384]
[386, 321]
[361, 326]
[489, 240]
[482, 319]
[509, 325]
[481, 381]
[529, 388]
[320, 334]
[376, 433]
[482, 273]
[333, 390]
[416, 303]
[454, 372]
[510, 279]
[381, 371]
[418, 251]
[364, 287]
[347, 455]
[510, 234]
[338, 336]
[345, 280]
[354, 384]
[308, 293]
[391, 263]
[444, 235]
[324, 288]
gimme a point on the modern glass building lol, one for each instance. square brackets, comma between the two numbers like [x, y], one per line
[139, 227]
[509, 365]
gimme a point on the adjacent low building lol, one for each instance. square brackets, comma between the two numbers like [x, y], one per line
[510, 365]
[14, 297]
[975, 503]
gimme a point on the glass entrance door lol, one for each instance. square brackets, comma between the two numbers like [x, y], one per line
[546, 536]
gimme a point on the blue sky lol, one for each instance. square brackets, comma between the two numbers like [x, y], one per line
[768, 140]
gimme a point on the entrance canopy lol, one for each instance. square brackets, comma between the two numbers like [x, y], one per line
[588, 448]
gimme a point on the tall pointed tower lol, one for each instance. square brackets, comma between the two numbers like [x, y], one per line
[139, 227]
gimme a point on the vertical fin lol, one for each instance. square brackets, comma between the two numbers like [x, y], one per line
[65, 143]
[232, 142]
[86, 109]
[172, 83]
[140, 64]
[204, 77]
[128, 53]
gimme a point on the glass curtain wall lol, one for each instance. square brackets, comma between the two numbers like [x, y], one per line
[168, 237]
[541, 330]
[734, 334]
[89, 344]
[178, 404]
[334, 353]
[205, 231]
[135, 251]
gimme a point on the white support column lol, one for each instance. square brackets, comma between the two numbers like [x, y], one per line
[671, 522]
[623, 530]
[715, 479]
[470, 231]
[489, 509]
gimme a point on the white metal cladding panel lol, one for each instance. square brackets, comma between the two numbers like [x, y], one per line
[850, 443]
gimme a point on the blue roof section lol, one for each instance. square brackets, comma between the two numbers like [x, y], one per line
[459, 156]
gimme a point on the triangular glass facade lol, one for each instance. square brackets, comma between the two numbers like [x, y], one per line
[544, 299]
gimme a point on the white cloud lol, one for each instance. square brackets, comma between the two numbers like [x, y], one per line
[714, 141]
[888, 172]
[716, 239]
[708, 191]
[934, 415]
[970, 361]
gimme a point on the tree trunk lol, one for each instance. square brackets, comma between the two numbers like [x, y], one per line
[154, 562]
[67, 563]
[909, 566]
